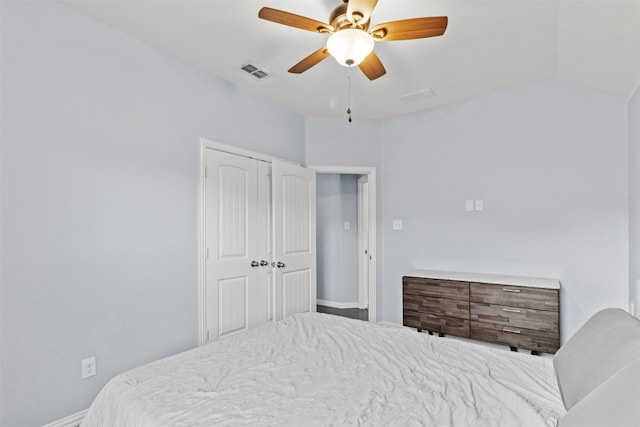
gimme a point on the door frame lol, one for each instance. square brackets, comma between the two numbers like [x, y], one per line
[371, 177]
[208, 144]
[363, 241]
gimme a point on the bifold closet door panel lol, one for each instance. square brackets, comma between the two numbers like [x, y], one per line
[294, 232]
[231, 240]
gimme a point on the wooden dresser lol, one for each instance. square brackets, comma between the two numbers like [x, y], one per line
[520, 312]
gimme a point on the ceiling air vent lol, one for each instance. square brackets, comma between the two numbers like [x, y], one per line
[254, 71]
[418, 96]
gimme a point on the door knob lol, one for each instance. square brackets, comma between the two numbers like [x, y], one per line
[254, 263]
[280, 265]
[263, 263]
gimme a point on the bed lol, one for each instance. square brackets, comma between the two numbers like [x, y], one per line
[318, 369]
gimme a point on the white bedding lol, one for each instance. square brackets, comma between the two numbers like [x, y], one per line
[317, 369]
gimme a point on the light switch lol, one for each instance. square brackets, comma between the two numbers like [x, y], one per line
[347, 225]
[468, 205]
[397, 224]
[479, 205]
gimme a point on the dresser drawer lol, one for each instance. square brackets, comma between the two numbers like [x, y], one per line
[514, 296]
[436, 323]
[439, 306]
[435, 288]
[542, 341]
[517, 317]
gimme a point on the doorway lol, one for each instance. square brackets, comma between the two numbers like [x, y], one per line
[346, 256]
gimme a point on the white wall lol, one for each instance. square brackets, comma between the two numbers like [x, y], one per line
[550, 162]
[336, 142]
[634, 200]
[337, 247]
[99, 151]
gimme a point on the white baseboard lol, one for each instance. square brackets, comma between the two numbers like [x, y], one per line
[334, 304]
[394, 324]
[71, 421]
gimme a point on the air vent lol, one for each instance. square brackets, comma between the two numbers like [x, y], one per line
[255, 71]
[249, 68]
[418, 96]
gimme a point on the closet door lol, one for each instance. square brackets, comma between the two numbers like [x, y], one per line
[259, 230]
[294, 231]
[231, 239]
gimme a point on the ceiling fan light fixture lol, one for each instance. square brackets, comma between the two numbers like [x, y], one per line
[350, 46]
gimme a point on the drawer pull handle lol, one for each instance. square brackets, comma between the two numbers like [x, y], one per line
[515, 291]
[513, 331]
[511, 310]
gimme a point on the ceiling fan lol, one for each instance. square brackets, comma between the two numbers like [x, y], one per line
[351, 40]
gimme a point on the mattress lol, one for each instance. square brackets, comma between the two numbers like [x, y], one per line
[317, 369]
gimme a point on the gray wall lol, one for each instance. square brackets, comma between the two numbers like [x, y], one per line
[634, 200]
[550, 162]
[99, 201]
[337, 248]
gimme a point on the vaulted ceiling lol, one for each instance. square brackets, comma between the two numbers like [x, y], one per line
[488, 46]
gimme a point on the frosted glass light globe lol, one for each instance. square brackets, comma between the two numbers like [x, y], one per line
[350, 46]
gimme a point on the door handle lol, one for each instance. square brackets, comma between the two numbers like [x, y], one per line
[254, 263]
[280, 265]
[263, 263]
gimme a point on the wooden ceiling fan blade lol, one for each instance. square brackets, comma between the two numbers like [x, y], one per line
[293, 20]
[311, 60]
[408, 29]
[372, 67]
[364, 8]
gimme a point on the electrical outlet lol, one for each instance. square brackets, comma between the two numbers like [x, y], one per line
[88, 367]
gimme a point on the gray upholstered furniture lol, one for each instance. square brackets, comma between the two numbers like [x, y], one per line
[598, 372]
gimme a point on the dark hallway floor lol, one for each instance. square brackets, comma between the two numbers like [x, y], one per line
[352, 313]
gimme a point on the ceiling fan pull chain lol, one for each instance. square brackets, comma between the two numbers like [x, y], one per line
[349, 94]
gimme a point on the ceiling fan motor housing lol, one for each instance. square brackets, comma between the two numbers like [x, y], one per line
[338, 19]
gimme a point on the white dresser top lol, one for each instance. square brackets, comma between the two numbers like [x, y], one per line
[498, 279]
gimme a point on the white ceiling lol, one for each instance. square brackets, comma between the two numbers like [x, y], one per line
[488, 46]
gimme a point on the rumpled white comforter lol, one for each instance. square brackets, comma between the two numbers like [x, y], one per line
[317, 369]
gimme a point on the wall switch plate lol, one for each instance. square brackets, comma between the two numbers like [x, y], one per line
[347, 225]
[88, 367]
[468, 206]
[479, 205]
[396, 224]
